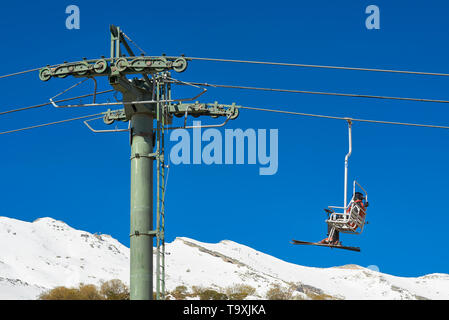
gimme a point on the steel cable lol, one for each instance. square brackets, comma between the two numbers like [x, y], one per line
[345, 118]
[320, 66]
[48, 103]
[50, 123]
[353, 95]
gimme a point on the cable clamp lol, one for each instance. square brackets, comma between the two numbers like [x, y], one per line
[151, 233]
[153, 156]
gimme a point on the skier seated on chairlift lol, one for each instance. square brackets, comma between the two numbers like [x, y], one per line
[359, 203]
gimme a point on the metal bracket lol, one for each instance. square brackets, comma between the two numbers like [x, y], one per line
[151, 233]
[153, 156]
[114, 115]
[108, 118]
[197, 109]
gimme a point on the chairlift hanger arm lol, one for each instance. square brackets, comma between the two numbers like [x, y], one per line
[347, 162]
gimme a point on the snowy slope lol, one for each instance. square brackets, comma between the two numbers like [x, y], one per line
[47, 253]
[35, 256]
[347, 282]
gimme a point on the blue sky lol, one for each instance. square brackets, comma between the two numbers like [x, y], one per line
[69, 173]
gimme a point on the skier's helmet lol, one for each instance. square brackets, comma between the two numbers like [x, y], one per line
[359, 196]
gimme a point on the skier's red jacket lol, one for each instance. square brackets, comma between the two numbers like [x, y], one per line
[362, 211]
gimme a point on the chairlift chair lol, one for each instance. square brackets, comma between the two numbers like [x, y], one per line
[351, 217]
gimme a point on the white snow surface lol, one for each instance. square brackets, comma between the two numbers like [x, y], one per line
[40, 255]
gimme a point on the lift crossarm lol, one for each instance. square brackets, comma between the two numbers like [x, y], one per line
[204, 109]
[120, 66]
[213, 110]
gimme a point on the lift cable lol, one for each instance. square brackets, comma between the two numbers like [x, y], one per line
[345, 118]
[319, 93]
[265, 110]
[48, 103]
[50, 123]
[18, 73]
[271, 63]
[52, 66]
[320, 66]
[37, 69]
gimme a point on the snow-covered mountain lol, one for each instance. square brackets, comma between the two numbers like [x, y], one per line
[36, 256]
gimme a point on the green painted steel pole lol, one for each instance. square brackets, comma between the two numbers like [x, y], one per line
[141, 242]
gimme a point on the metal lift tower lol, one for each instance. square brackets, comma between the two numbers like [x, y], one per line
[147, 101]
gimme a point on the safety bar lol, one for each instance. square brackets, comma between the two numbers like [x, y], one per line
[366, 193]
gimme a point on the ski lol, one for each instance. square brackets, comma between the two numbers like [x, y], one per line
[325, 245]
